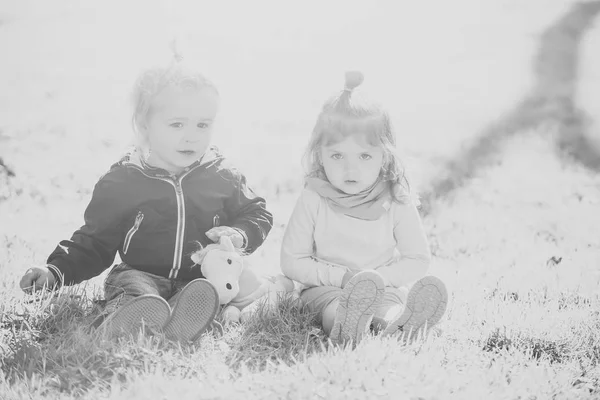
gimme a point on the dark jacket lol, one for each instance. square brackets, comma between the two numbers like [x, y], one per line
[154, 220]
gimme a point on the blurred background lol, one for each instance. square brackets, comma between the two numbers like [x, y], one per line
[444, 70]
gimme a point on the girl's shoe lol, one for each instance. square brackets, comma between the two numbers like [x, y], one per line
[425, 305]
[194, 310]
[148, 310]
[360, 299]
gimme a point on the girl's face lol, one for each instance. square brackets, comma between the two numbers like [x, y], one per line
[352, 165]
[179, 126]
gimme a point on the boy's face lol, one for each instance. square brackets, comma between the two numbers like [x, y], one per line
[179, 126]
[352, 165]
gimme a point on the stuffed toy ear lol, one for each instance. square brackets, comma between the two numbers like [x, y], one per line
[226, 244]
[198, 255]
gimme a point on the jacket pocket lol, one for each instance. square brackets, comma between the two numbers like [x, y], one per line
[136, 225]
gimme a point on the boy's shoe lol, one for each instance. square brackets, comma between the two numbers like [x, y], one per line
[425, 305]
[360, 299]
[148, 310]
[195, 309]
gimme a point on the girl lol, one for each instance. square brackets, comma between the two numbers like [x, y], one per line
[355, 239]
[151, 207]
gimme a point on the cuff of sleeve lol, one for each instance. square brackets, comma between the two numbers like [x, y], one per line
[384, 272]
[336, 275]
[58, 276]
[244, 236]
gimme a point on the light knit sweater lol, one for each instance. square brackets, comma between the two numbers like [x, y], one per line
[320, 244]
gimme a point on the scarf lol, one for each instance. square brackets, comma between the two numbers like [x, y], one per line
[370, 204]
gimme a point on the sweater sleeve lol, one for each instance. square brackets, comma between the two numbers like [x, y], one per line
[248, 213]
[412, 244]
[298, 261]
[92, 248]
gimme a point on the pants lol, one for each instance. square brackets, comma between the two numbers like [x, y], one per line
[124, 283]
[324, 299]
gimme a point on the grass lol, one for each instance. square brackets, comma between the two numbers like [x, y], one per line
[289, 334]
[511, 226]
[486, 348]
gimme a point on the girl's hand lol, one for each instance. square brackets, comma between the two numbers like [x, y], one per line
[217, 232]
[37, 278]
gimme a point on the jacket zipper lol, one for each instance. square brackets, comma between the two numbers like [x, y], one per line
[136, 225]
[177, 254]
[176, 183]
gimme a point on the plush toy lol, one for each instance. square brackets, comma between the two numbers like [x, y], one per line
[240, 289]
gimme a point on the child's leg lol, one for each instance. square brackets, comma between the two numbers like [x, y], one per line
[132, 297]
[346, 314]
[124, 283]
[322, 300]
[329, 314]
[391, 306]
[425, 305]
[194, 308]
[358, 302]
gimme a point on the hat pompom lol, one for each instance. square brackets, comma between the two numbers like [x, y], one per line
[353, 79]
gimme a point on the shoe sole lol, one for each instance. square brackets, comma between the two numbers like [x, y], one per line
[425, 305]
[147, 310]
[360, 299]
[193, 312]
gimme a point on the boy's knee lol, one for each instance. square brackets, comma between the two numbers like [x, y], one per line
[126, 281]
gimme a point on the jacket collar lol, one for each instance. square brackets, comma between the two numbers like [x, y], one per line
[135, 158]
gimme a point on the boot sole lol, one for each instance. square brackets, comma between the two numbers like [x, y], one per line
[193, 312]
[425, 305]
[147, 310]
[360, 299]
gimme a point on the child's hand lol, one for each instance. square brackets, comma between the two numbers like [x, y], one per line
[37, 278]
[217, 232]
[347, 276]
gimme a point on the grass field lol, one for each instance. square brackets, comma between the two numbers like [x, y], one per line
[495, 108]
